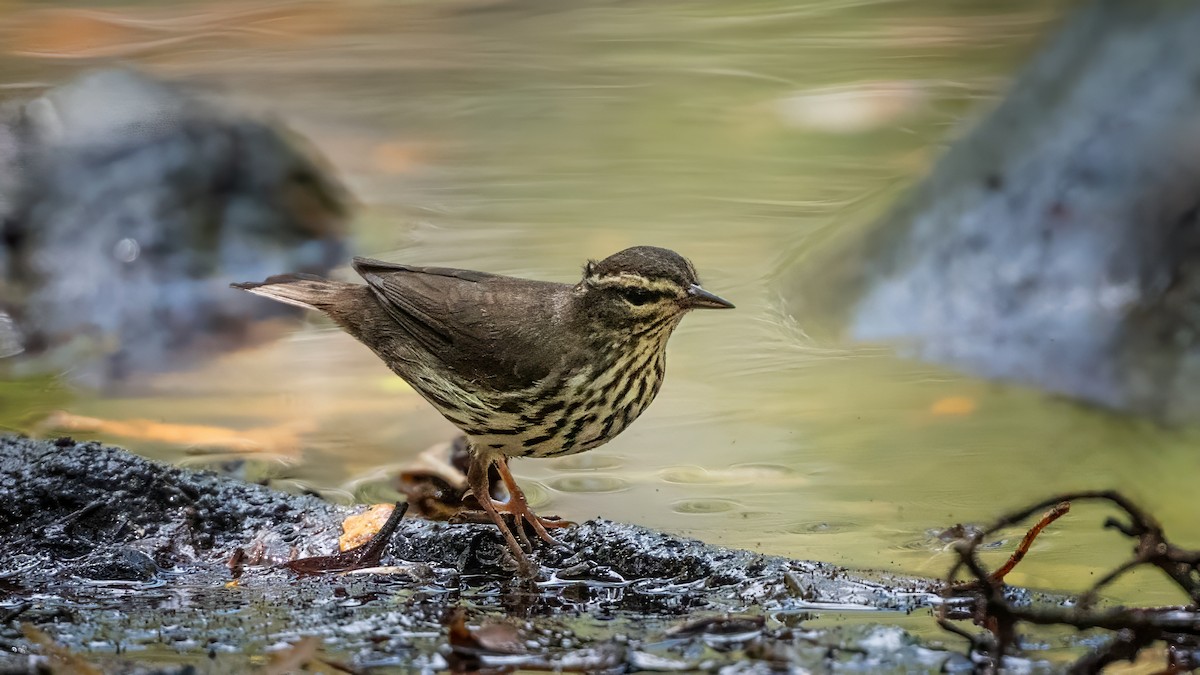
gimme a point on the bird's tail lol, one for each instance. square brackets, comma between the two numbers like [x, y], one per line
[302, 290]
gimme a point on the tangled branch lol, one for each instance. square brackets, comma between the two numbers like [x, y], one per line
[983, 600]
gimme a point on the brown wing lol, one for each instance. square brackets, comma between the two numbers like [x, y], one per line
[487, 328]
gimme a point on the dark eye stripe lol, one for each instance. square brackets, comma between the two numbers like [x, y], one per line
[641, 296]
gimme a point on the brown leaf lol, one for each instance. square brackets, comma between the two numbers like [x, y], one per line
[435, 483]
[489, 638]
[359, 528]
[366, 555]
[72, 32]
[294, 658]
[65, 661]
[956, 406]
[281, 439]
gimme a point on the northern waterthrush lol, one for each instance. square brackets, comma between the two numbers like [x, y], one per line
[524, 368]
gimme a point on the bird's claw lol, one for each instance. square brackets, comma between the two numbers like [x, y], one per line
[522, 514]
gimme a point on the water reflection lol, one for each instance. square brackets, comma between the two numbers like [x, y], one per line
[523, 138]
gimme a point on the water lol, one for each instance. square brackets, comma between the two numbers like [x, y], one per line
[525, 137]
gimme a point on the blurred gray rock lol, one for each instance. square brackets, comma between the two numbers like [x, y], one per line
[1057, 244]
[127, 206]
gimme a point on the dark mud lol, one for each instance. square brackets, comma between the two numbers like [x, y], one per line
[127, 563]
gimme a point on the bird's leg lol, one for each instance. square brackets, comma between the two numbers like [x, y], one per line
[519, 507]
[477, 480]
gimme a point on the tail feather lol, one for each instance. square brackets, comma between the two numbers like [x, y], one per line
[302, 290]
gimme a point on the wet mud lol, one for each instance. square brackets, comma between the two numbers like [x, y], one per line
[135, 566]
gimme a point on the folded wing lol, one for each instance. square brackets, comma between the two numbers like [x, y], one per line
[487, 328]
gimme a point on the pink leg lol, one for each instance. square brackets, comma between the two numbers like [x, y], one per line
[477, 480]
[519, 507]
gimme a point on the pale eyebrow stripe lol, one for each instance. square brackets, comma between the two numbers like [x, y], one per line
[654, 286]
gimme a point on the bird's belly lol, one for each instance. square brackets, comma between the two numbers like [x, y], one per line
[578, 434]
[578, 413]
[597, 412]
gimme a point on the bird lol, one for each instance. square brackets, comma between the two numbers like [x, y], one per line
[524, 368]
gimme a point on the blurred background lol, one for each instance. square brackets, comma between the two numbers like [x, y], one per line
[524, 137]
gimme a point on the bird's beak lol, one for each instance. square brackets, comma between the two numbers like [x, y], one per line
[698, 298]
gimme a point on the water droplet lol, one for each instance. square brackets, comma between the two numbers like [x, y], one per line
[738, 474]
[589, 461]
[755, 470]
[688, 475]
[127, 250]
[819, 527]
[536, 494]
[702, 506]
[589, 483]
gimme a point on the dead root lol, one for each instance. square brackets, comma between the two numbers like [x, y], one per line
[982, 597]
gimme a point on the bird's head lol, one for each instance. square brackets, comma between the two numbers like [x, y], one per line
[644, 285]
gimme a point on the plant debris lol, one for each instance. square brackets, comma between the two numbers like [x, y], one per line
[359, 528]
[64, 660]
[364, 556]
[294, 658]
[435, 484]
[1132, 629]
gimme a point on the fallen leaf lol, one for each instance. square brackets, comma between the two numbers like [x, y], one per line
[852, 108]
[123, 32]
[70, 32]
[294, 658]
[360, 557]
[435, 483]
[282, 439]
[65, 661]
[953, 405]
[396, 157]
[359, 528]
[489, 638]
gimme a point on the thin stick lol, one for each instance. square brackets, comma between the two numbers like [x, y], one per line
[1050, 516]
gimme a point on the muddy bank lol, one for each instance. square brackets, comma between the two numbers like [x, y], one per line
[126, 563]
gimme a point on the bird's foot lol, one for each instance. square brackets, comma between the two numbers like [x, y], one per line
[519, 509]
[518, 506]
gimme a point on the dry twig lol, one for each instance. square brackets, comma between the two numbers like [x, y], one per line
[1134, 628]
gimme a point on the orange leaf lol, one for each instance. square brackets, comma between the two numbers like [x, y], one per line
[358, 529]
[953, 405]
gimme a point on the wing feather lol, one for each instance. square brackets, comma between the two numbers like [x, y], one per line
[484, 327]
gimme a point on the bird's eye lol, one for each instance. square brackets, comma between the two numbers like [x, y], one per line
[637, 296]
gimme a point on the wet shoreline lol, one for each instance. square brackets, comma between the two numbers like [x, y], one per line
[127, 563]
